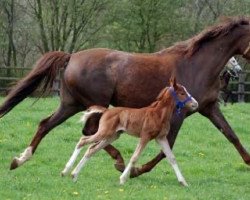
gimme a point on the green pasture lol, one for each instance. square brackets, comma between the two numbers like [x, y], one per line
[210, 164]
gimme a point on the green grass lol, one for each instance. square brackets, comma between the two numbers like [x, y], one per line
[210, 164]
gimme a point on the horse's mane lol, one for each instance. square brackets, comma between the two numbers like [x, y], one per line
[192, 45]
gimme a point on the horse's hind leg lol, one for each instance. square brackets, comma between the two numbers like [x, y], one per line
[163, 142]
[63, 113]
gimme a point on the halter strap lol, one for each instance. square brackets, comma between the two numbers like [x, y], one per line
[179, 104]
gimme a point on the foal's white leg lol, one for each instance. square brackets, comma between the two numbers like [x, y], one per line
[133, 160]
[90, 152]
[171, 158]
[73, 157]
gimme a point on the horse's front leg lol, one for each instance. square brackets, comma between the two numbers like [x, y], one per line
[176, 123]
[213, 113]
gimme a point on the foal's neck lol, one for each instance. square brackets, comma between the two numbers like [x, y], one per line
[164, 107]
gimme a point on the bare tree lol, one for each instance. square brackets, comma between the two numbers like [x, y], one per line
[141, 25]
[67, 25]
[8, 14]
[216, 7]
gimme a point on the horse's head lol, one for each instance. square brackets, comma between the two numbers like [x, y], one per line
[182, 97]
[233, 67]
[243, 38]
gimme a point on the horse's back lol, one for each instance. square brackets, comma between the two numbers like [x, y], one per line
[103, 76]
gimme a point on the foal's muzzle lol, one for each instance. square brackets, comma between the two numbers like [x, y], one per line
[194, 104]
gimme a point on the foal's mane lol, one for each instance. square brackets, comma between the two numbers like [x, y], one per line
[192, 45]
[160, 96]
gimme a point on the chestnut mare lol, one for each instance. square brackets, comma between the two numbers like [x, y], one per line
[104, 76]
[147, 123]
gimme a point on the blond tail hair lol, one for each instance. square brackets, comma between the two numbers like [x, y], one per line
[90, 111]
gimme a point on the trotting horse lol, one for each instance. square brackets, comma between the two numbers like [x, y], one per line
[147, 123]
[104, 76]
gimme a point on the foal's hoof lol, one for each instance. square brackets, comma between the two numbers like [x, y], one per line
[122, 181]
[63, 174]
[74, 177]
[14, 164]
[183, 183]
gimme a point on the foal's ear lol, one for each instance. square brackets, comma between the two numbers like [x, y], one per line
[172, 81]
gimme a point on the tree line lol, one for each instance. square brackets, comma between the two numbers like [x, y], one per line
[29, 28]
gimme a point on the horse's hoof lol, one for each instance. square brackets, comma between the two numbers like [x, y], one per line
[134, 172]
[120, 167]
[247, 161]
[14, 164]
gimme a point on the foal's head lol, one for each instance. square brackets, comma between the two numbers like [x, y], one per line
[181, 96]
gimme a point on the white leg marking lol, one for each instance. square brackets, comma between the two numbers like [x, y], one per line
[125, 175]
[71, 161]
[88, 154]
[171, 158]
[78, 168]
[26, 155]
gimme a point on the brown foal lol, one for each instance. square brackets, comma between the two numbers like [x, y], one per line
[152, 122]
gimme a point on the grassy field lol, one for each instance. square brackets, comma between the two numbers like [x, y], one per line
[210, 164]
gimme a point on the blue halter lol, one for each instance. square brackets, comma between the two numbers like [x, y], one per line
[179, 104]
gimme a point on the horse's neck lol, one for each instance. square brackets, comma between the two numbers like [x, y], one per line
[205, 65]
[217, 53]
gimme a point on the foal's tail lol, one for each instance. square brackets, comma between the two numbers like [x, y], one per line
[45, 72]
[90, 111]
[87, 114]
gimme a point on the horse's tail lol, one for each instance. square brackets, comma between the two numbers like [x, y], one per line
[90, 111]
[45, 72]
